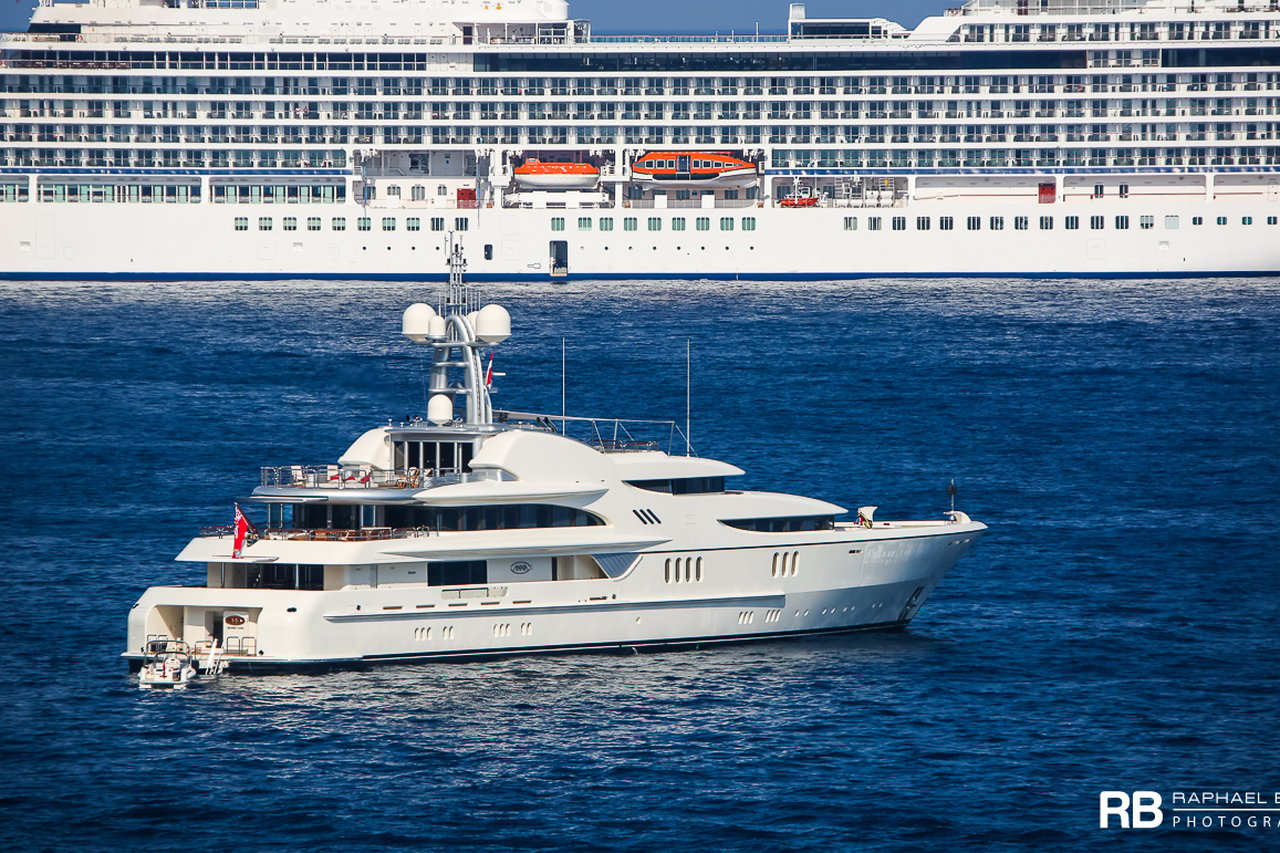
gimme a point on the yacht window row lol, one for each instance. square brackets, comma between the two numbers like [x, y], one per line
[1121, 222]
[782, 524]
[339, 223]
[305, 517]
[682, 485]
[654, 223]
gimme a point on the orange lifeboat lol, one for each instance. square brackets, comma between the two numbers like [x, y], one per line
[693, 169]
[536, 175]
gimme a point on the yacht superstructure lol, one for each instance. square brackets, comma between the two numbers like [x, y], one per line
[478, 532]
[281, 138]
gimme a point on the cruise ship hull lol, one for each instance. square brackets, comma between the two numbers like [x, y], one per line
[196, 241]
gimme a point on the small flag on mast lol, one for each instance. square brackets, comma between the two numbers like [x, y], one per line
[242, 528]
[488, 374]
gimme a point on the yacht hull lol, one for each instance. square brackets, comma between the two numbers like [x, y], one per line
[842, 584]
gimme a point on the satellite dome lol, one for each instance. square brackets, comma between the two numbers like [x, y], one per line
[493, 324]
[416, 322]
[440, 409]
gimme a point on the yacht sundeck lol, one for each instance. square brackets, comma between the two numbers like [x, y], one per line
[475, 532]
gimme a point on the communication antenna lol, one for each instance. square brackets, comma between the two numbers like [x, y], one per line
[563, 411]
[951, 493]
[688, 396]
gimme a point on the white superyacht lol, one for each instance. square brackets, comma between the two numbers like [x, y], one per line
[476, 532]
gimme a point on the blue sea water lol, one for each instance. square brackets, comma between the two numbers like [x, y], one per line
[1118, 629]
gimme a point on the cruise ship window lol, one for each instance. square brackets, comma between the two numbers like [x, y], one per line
[557, 223]
[922, 223]
[1098, 190]
[413, 223]
[393, 191]
[1222, 220]
[629, 223]
[703, 223]
[899, 223]
[584, 223]
[290, 223]
[873, 223]
[677, 224]
[418, 192]
[946, 223]
[655, 224]
[1247, 220]
[1124, 191]
[1097, 222]
[437, 223]
[974, 223]
[606, 223]
[726, 223]
[1271, 220]
[364, 224]
[1197, 220]
[851, 223]
[1020, 223]
[748, 223]
[242, 223]
[1073, 223]
[388, 223]
[339, 223]
[442, 190]
[461, 223]
[997, 223]
[1046, 223]
[313, 223]
[1146, 223]
[1171, 223]
[264, 223]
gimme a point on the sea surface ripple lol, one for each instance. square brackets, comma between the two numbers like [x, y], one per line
[1118, 629]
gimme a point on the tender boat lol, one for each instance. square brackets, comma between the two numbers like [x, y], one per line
[476, 532]
[694, 169]
[536, 174]
[167, 665]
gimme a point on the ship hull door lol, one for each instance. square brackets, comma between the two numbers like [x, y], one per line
[559, 258]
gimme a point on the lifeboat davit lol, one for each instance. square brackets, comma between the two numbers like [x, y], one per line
[537, 175]
[693, 169]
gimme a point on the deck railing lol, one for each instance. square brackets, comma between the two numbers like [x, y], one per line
[290, 534]
[339, 477]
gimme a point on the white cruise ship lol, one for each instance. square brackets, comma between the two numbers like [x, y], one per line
[352, 138]
[476, 532]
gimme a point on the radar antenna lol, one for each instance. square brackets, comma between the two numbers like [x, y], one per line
[457, 334]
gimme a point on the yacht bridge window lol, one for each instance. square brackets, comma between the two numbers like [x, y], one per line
[437, 456]
[682, 485]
